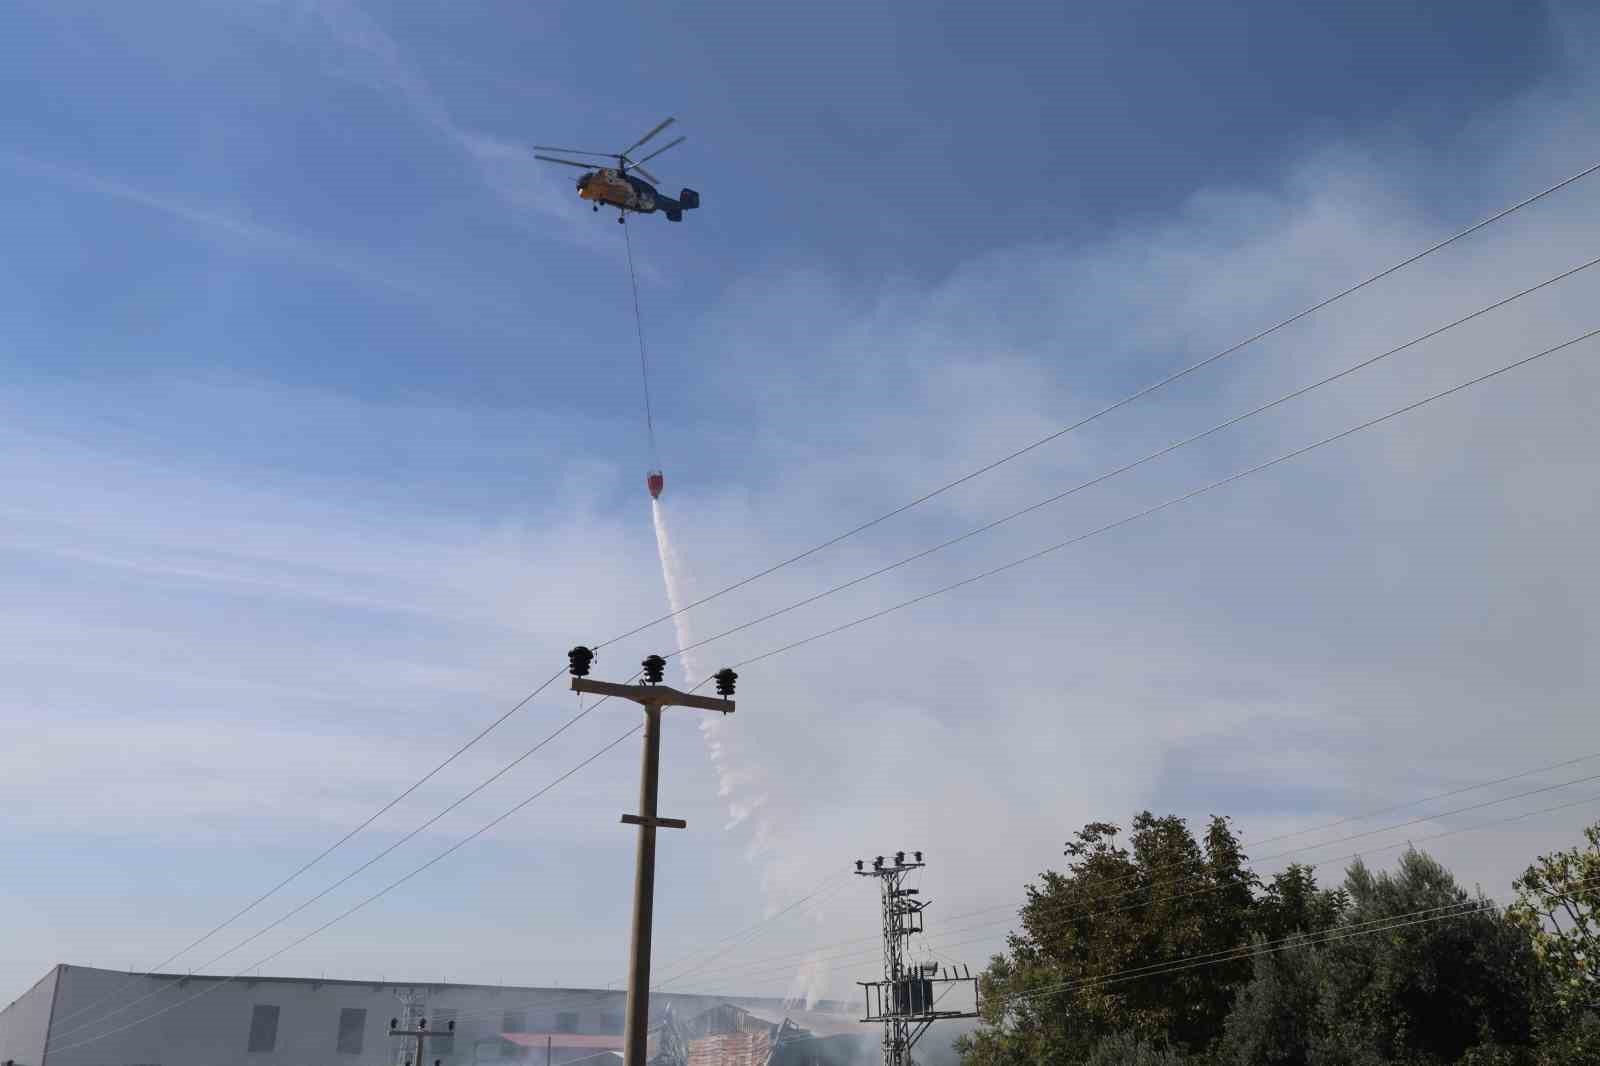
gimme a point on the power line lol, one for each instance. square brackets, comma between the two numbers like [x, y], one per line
[869, 957]
[329, 850]
[1125, 401]
[385, 890]
[1074, 912]
[485, 783]
[1562, 764]
[1158, 453]
[677, 973]
[1382, 829]
[824, 886]
[1248, 951]
[1172, 502]
[1106, 528]
[1238, 953]
[1194, 493]
[1312, 865]
[1497, 216]
[458, 845]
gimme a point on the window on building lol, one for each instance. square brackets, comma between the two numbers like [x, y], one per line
[611, 1022]
[443, 1045]
[567, 1022]
[263, 1027]
[352, 1030]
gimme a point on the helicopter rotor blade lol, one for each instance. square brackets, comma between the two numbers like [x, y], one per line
[651, 178]
[572, 151]
[646, 137]
[663, 148]
[566, 162]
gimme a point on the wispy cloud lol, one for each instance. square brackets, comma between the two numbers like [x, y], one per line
[256, 238]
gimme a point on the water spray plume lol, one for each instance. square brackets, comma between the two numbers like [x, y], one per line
[740, 786]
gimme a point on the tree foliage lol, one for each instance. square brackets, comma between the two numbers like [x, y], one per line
[1079, 969]
[1161, 949]
[1423, 972]
[1558, 903]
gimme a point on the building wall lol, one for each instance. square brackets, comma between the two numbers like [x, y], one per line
[23, 1023]
[207, 1021]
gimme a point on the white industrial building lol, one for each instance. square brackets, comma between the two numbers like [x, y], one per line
[81, 1016]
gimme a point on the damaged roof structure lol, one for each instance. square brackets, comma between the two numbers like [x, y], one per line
[727, 1035]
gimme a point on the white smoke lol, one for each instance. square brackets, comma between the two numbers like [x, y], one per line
[810, 982]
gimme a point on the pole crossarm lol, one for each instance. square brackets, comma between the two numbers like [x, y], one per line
[659, 823]
[652, 695]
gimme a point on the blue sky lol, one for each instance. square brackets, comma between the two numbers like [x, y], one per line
[322, 440]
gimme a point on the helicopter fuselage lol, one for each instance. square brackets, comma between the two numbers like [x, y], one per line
[628, 193]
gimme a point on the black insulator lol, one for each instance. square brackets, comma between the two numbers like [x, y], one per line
[725, 681]
[394, 1023]
[918, 855]
[452, 1025]
[899, 858]
[578, 660]
[859, 864]
[422, 1023]
[653, 667]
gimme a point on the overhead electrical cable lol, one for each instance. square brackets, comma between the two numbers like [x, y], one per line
[1292, 851]
[329, 850]
[1125, 401]
[1386, 923]
[374, 897]
[491, 824]
[1371, 279]
[828, 885]
[1074, 912]
[1142, 460]
[1169, 503]
[1005, 567]
[275, 923]
[870, 956]
[1367, 833]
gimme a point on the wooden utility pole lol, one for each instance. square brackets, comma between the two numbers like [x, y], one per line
[653, 697]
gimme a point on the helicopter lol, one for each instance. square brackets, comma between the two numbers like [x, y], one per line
[615, 187]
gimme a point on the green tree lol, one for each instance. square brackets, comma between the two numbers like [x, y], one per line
[1055, 994]
[1125, 1049]
[1273, 1020]
[1274, 1017]
[1294, 904]
[1558, 903]
[1425, 973]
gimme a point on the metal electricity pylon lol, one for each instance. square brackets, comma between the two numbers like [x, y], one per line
[413, 1009]
[420, 1033]
[906, 1001]
[653, 696]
